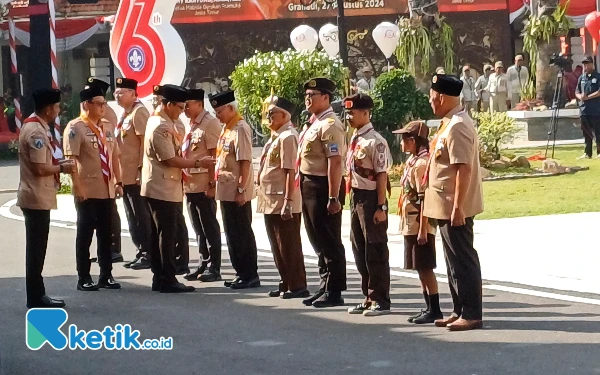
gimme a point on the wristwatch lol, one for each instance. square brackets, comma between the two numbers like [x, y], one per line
[241, 190]
[382, 207]
[333, 199]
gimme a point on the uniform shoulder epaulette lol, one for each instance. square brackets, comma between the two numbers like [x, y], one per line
[331, 120]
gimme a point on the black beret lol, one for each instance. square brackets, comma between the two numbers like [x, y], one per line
[446, 85]
[96, 82]
[172, 93]
[284, 104]
[321, 84]
[90, 92]
[220, 99]
[196, 94]
[44, 97]
[358, 101]
[127, 83]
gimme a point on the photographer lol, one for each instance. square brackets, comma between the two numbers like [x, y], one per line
[588, 96]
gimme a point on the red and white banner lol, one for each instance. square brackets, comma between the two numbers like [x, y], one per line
[577, 11]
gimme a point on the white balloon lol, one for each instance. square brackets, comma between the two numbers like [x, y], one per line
[387, 35]
[304, 38]
[330, 39]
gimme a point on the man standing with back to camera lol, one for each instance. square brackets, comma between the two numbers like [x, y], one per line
[321, 151]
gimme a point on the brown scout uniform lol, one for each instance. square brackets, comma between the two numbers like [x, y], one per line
[278, 155]
[325, 138]
[94, 213]
[370, 155]
[204, 137]
[457, 143]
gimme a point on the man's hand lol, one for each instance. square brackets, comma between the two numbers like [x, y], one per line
[118, 191]
[379, 217]
[286, 211]
[422, 236]
[68, 166]
[211, 192]
[79, 194]
[240, 199]
[333, 207]
[207, 161]
[584, 97]
[458, 217]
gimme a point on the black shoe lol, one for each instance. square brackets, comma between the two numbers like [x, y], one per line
[412, 318]
[428, 317]
[176, 288]
[228, 284]
[87, 285]
[275, 293]
[46, 302]
[182, 270]
[210, 276]
[329, 299]
[242, 284]
[303, 293]
[93, 260]
[156, 286]
[118, 258]
[309, 301]
[128, 264]
[108, 283]
[141, 264]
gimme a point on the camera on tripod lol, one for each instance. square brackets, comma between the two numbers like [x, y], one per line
[561, 61]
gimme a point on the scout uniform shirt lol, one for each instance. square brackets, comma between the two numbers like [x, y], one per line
[412, 187]
[325, 138]
[278, 155]
[92, 145]
[129, 131]
[36, 147]
[235, 144]
[455, 143]
[203, 136]
[369, 155]
[162, 142]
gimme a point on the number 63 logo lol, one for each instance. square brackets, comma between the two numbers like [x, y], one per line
[145, 46]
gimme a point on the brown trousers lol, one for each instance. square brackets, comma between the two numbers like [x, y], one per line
[286, 245]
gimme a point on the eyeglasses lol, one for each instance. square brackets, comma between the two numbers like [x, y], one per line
[180, 106]
[311, 94]
[272, 113]
[99, 104]
[121, 92]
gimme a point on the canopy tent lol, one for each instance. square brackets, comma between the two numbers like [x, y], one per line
[577, 10]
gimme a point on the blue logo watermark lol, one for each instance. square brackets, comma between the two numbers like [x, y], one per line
[136, 58]
[44, 326]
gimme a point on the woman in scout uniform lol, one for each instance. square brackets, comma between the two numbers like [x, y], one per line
[235, 190]
[130, 132]
[90, 141]
[40, 168]
[280, 201]
[419, 234]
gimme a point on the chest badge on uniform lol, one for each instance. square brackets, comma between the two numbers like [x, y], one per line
[124, 133]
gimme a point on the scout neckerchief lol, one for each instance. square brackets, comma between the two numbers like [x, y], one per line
[185, 146]
[105, 161]
[136, 104]
[54, 146]
[314, 118]
[224, 135]
[350, 156]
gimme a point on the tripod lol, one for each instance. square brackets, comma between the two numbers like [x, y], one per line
[555, 108]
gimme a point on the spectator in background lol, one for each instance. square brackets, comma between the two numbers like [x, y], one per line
[367, 83]
[499, 89]
[468, 99]
[440, 70]
[588, 95]
[518, 75]
[483, 96]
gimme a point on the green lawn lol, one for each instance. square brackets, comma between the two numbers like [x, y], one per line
[579, 192]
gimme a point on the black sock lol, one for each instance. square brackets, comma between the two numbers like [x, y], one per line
[426, 296]
[434, 300]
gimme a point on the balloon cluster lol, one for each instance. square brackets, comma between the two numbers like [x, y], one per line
[305, 38]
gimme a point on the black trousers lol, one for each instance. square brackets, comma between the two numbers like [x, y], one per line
[182, 247]
[37, 226]
[138, 218]
[163, 239]
[115, 233]
[94, 214]
[237, 222]
[464, 271]
[370, 248]
[324, 231]
[590, 126]
[203, 213]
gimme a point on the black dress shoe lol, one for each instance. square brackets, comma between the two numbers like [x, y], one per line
[242, 284]
[192, 276]
[210, 276]
[128, 264]
[155, 286]
[275, 293]
[428, 317]
[141, 264]
[329, 299]
[302, 293]
[117, 258]
[176, 288]
[46, 302]
[108, 283]
[413, 317]
[87, 286]
[228, 284]
[309, 301]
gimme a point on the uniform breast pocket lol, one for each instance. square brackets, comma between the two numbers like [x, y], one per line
[175, 176]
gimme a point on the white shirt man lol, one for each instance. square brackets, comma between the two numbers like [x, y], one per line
[467, 95]
[499, 89]
[367, 83]
[518, 75]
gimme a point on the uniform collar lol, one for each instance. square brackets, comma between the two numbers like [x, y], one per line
[162, 114]
[325, 113]
[364, 129]
[198, 119]
[283, 128]
[451, 114]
